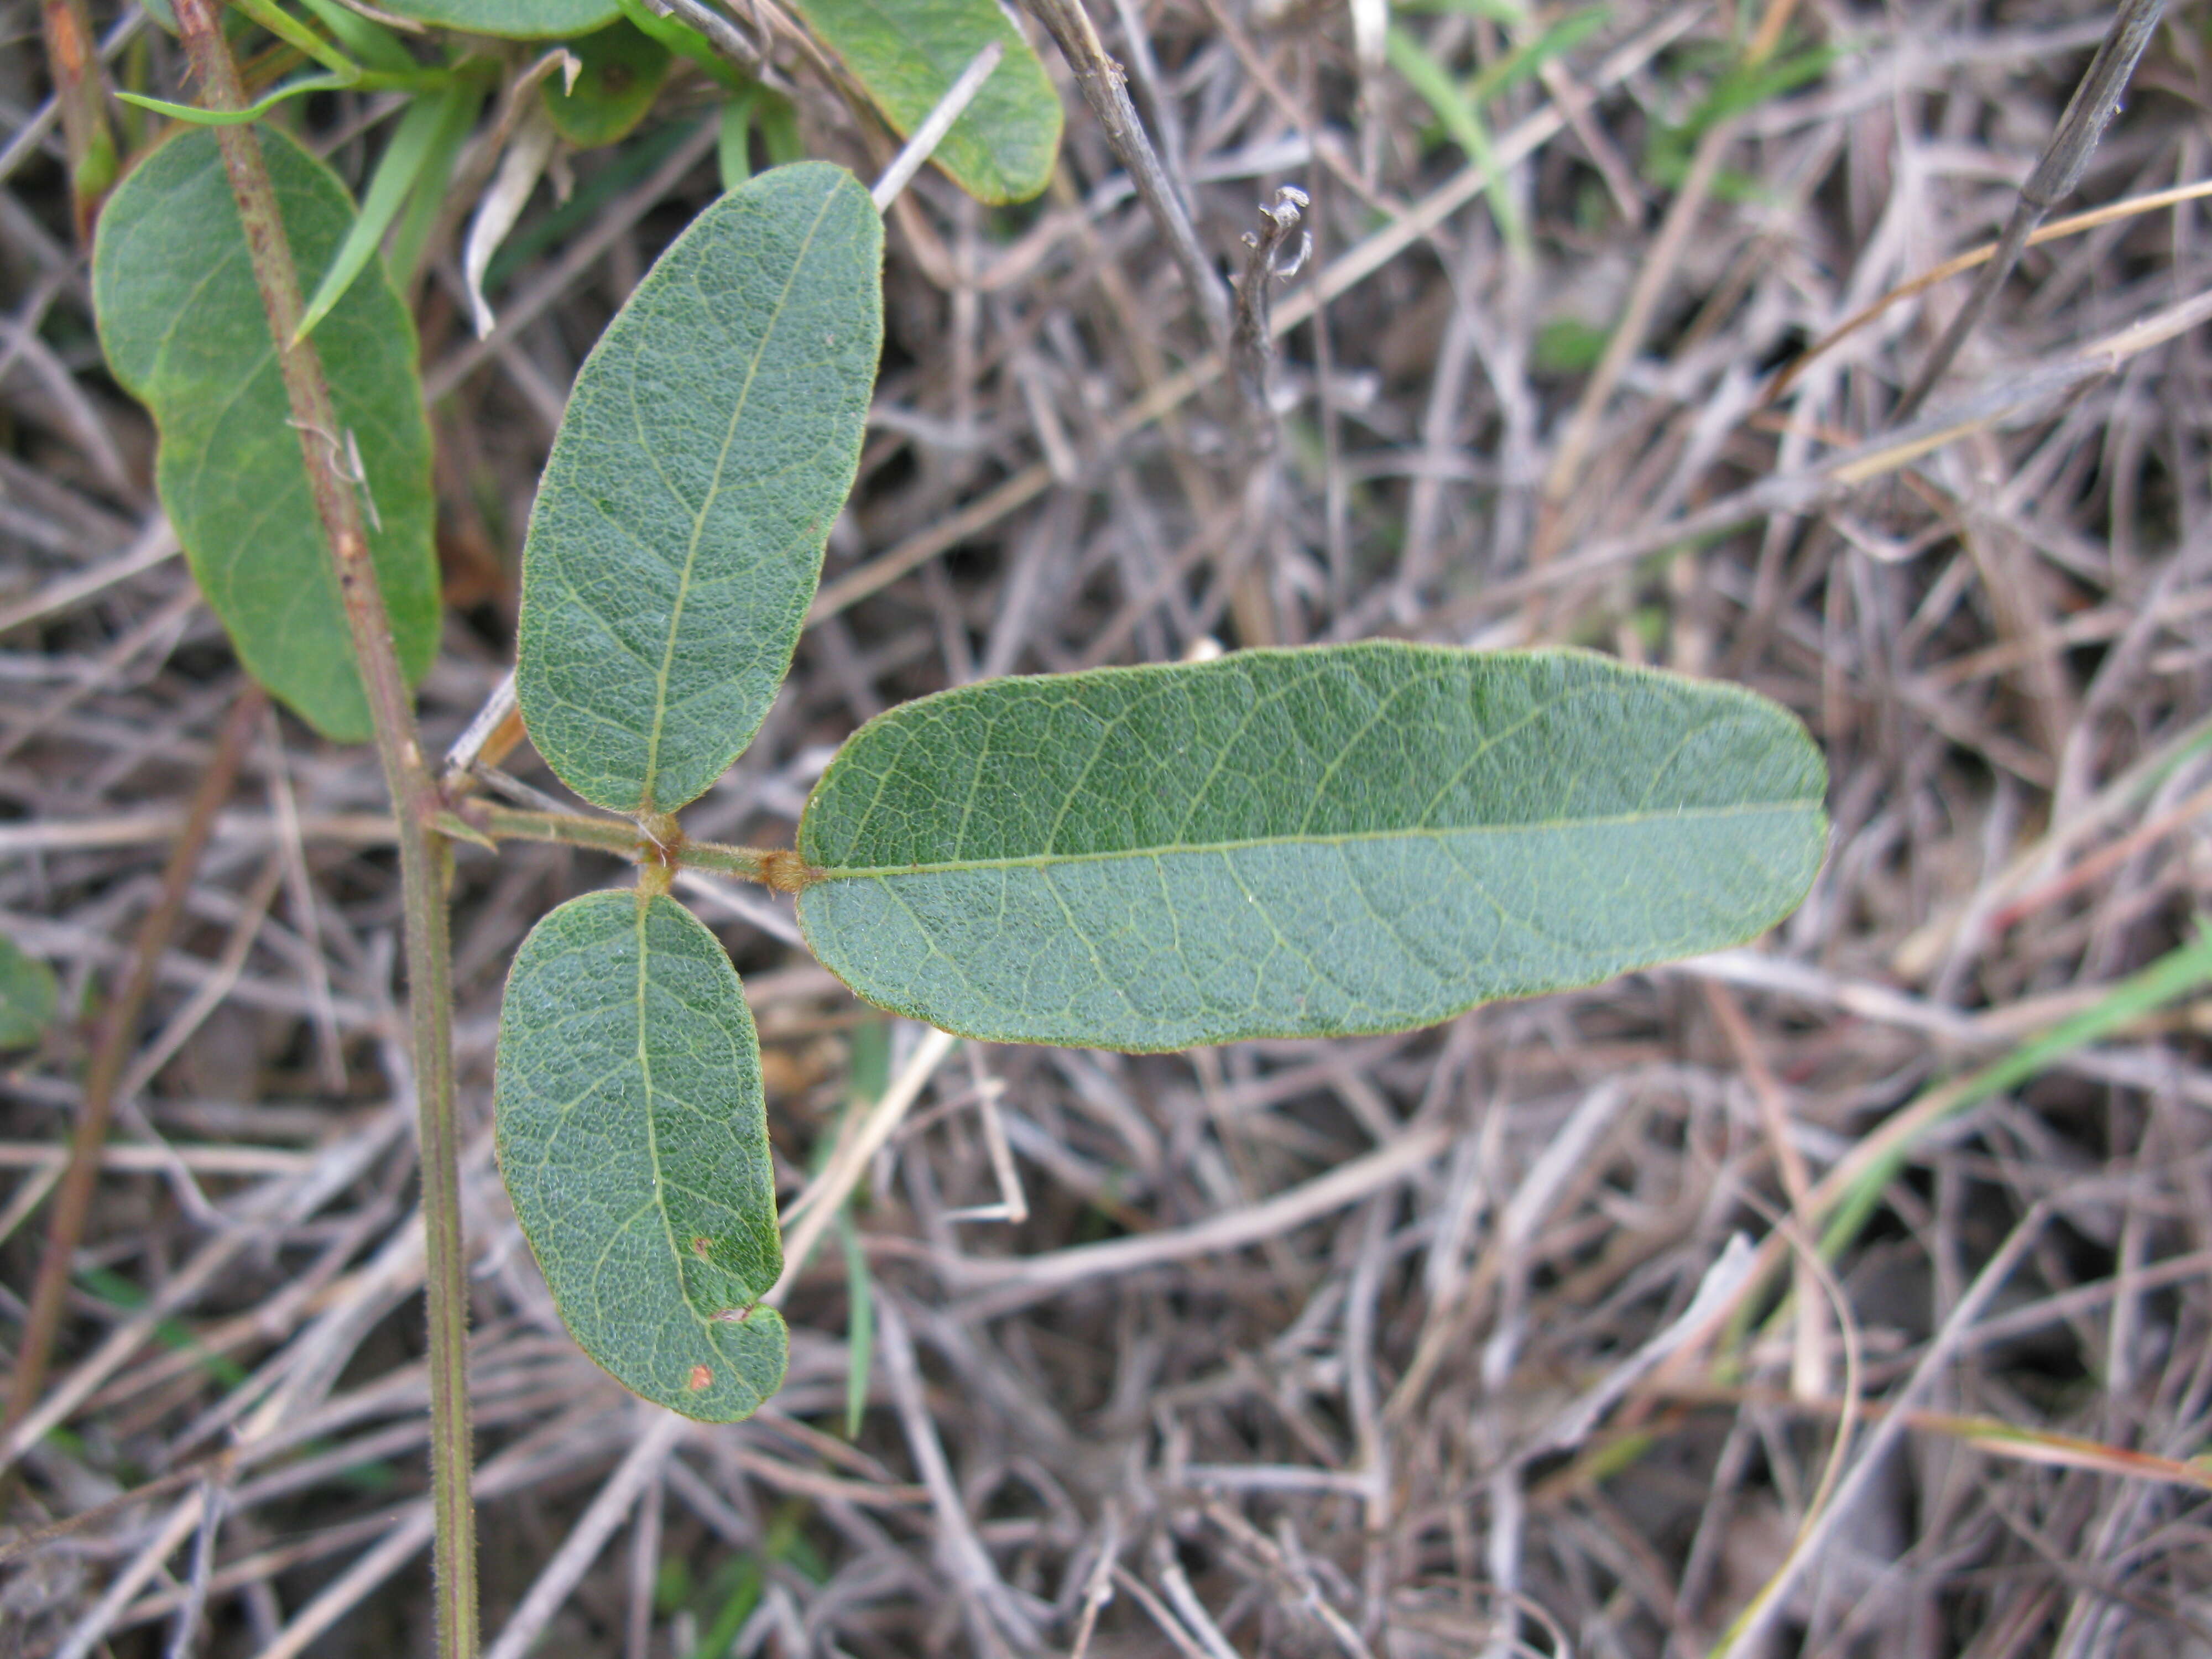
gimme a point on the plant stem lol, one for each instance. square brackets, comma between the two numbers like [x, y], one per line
[110, 1049]
[774, 866]
[73, 62]
[424, 855]
[1105, 88]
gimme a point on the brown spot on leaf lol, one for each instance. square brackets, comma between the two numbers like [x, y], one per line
[699, 1246]
[701, 1378]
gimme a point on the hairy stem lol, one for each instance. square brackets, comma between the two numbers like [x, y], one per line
[424, 857]
[778, 867]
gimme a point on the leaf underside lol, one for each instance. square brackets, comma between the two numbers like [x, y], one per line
[524, 20]
[711, 440]
[633, 1139]
[1298, 843]
[184, 331]
[907, 54]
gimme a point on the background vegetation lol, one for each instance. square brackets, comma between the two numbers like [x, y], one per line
[1407, 1346]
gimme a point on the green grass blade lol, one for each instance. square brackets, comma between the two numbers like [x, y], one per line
[413, 141]
[193, 114]
[2173, 976]
[426, 202]
[28, 996]
[366, 39]
[1461, 120]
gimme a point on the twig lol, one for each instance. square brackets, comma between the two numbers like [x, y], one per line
[1655, 270]
[489, 737]
[589, 1535]
[1105, 89]
[1030, 1277]
[930, 133]
[1344, 274]
[1251, 341]
[805, 1219]
[2056, 230]
[75, 66]
[723, 36]
[1743, 1636]
[2095, 101]
[423, 855]
[994, 1614]
[111, 1053]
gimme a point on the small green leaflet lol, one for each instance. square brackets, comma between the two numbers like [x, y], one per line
[28, 996]
[711, 438]
[522, 19]
[907, 54]
[634, 1141]
[185, 334]
[1298, 843]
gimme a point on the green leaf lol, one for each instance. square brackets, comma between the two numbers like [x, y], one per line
[634, 1142]
[28, 996]
[369, 42]
[426, 202]
[624, 68]
[682, 39]
[711, 438]
[185, 334]
[1298, 843]
[906, 54]
[423, 130]
[734, 140]
[519, 19]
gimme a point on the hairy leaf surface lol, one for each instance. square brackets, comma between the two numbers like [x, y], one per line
[1298, 843]
[525, 20]
[908, 53]
[634, 1142]
[710, 440]
[185, 334]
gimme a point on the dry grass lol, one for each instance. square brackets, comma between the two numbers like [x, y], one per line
[1393, 1346]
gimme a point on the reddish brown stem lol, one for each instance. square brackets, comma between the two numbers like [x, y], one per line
[73, 60]
[424, 854]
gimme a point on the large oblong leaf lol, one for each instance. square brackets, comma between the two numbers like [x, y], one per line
[907, 54]
[185, 334]
[634, 1142]
[711, 438]
[1298, 843]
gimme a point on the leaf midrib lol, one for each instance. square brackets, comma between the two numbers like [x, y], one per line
[1426, 832]
[699, 519]
[659, 1201]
